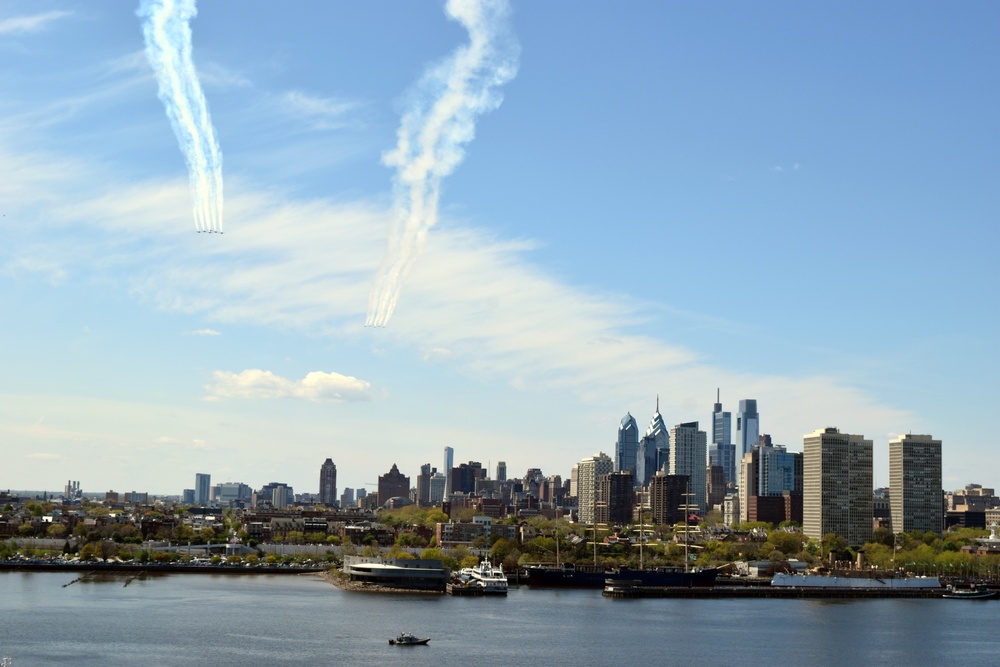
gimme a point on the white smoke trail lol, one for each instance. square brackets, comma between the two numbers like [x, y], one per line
[168, 48]
[431, 136]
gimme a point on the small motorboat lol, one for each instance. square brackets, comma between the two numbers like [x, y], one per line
[971, 593]
[408, 639]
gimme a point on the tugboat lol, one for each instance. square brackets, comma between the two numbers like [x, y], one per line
[408, 639]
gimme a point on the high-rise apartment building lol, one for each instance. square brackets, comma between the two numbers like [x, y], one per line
[588, 472]
[202, 488]
[347, 498]
[501, 471]
[615, 497]
[722, 451]
[328, 484]
[688, 455]
[627, 445]
[915, 490]
[837, 485]
[747, 427]
[439, 482]
[667, 498]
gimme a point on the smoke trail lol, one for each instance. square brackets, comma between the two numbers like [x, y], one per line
[432, 134]
[168, 48]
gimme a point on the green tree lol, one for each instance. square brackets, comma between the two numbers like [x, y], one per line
[56, 530]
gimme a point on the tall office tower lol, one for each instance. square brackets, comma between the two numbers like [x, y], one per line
[328, 484]
[915, 493]
[574, 480]
[722, 451]
[393, 484]
[439, 482]
[449, 463]
[627, 446]
[654, 448]
[747, 427]
[347, 498]
[770, 484]
[501, 471]
[688, 454]
[715, 485]
[615, 497]
[837, 486]
[588, 471]
[462, 478]
[202, 488]
[667, 497]
[187, 497]
[424, 484]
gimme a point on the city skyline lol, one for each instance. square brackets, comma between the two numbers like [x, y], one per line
[791, 203]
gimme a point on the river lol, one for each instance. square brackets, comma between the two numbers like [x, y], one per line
[224, 621]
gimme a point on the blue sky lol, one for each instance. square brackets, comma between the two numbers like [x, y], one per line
[793, 203]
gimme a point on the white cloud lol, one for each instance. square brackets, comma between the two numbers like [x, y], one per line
[32, 23]
[326, 113]
[436, 354]
[315, 386]
[204, 332]
[45, 456]
[54, 273]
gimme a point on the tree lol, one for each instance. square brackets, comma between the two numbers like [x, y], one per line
[56, 530]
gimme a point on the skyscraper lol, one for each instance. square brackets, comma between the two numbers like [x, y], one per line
[588, 473]
[770, 484]
[328, 483]
[688, 454]
[424, 484]
[722, 451]
[654, 448]
[666, 497]
[627, 446]
[449, 463]
[615, 498]
[837, 486]
[393, 484]
[501, 471]
[747, 427]
[915, 493]
[202, 488]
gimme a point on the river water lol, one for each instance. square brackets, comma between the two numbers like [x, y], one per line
[220, 621]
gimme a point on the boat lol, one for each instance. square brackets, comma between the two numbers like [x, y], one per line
[486, 576]
[408, 639]
[871, 582]
[596, 576]
[972, 593]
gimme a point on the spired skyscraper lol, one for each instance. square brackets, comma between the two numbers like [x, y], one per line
[747, 428]
[627, 447]
[654, 449]
[722, 451]
[328, 483]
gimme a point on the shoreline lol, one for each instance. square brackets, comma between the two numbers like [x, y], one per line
[335, 578]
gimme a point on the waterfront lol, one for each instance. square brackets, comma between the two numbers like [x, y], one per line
[240, 620]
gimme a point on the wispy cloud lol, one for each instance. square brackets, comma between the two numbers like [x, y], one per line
[44, 456]
[306, 266]
[204, 332]
[325, 112]
[32, 23]
[315, 386]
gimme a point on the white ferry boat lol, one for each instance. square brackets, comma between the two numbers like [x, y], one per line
[491, 579]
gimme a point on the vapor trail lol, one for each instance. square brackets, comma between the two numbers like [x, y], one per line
[168, 48]
[432, 134]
